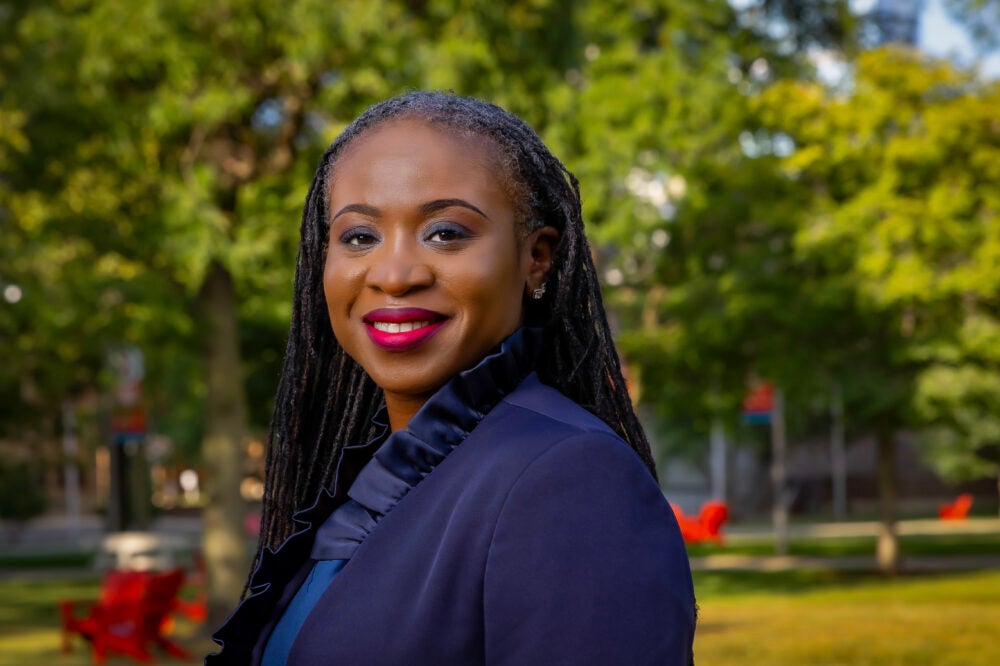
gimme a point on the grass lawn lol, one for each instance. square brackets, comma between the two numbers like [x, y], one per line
[800, 618]
[826, 619]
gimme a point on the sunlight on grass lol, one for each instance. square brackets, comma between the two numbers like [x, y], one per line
[791, 618]
[941, 621]
[40, 647]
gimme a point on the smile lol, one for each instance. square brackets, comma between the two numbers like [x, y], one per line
[402, 329]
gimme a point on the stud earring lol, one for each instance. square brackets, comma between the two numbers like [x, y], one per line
[538, 293]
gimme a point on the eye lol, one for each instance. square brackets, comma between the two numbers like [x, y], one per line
[446, 233]
[359, 237]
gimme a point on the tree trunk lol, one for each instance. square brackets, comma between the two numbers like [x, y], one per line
[717, 448]
[838, 454]
[224, 544]
[887, 547]
[71, 470]
[779, 512]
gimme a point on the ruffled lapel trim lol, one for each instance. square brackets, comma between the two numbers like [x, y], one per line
[277, 566]
[409, 455]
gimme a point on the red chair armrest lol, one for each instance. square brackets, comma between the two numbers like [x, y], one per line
[68, 607]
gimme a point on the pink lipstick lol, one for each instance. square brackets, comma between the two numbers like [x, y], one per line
[402, 329]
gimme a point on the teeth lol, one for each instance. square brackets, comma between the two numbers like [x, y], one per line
[401, 327]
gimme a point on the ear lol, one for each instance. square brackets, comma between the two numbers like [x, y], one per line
[539, 248]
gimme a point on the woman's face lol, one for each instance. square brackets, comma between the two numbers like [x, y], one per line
[426, 268]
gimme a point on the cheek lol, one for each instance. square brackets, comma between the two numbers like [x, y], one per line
[339, 280]
[492, 283]
[330, 282]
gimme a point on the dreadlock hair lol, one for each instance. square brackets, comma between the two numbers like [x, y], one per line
[326, 401]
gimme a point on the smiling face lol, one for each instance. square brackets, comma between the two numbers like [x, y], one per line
[426, 267]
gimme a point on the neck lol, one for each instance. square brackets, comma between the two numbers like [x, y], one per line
[401, 408]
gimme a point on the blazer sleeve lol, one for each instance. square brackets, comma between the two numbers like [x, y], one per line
[587, 565]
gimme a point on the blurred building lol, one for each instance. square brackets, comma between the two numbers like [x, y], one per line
[920, 490]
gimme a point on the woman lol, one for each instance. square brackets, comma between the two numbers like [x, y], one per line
[453, 413]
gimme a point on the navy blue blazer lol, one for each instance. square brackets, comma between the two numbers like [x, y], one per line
[506, 525]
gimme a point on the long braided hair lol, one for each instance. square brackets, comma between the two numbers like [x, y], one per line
[326, 401]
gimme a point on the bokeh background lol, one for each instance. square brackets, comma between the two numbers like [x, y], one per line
[793, 205]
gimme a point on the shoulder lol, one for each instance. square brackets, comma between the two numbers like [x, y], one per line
[534, 428]
[584, 541]
[537, 434]
[591, 478]
[562, 435]
[545, 402]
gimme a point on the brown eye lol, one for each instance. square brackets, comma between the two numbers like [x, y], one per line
[446, 233]
[359, 237]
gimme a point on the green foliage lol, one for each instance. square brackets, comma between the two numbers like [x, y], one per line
[962, 407]
[748, 220]
[902, 181]
[143, 140]
[690, 213]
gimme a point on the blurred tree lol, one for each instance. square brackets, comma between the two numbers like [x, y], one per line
[713, 159]
[691, 216]
[901, 180]
[156, 155]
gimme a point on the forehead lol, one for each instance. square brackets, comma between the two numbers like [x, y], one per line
[420, 143]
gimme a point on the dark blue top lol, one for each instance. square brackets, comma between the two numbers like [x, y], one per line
[506, 525]
[280, 642]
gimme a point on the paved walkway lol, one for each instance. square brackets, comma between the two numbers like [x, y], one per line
[54, 533]
[908, 564]
[921, 527]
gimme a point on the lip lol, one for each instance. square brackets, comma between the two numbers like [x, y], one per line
[402, 340]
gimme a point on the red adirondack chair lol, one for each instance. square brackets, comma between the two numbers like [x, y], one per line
[196, 609]
[707, 526]
[128, 617]
[957, 510]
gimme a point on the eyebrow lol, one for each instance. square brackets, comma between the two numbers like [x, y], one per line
[424, 209]
[440, 204]
[363, 209]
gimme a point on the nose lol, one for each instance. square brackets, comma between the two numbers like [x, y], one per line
[398, 268]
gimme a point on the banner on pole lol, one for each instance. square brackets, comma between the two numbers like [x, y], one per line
[758, 405]
[128, 414]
